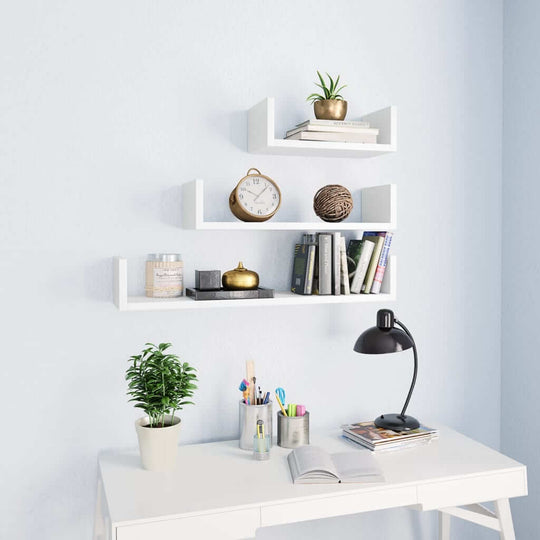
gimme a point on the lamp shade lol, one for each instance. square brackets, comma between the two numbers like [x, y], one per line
[382, 341]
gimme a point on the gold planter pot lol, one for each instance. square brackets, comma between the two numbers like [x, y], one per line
[330, 109]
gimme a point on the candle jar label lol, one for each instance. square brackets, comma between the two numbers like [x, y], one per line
[164, 279]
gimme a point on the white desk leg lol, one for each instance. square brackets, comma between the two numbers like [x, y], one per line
[102, 523]
[99, 528]
[444, 526]
[502, 510]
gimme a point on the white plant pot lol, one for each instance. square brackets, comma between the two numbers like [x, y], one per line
[158, 446]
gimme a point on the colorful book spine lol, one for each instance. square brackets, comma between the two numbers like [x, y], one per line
[379, 241]
[381, 267]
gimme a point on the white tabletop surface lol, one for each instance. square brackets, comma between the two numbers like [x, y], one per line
[219, 476]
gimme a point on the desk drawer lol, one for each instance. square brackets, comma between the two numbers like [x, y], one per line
[338, 505]
[474, 489]
[225, 526]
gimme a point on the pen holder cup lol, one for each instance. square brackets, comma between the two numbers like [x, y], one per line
[292, 431]
[261, 447]
[248, 416]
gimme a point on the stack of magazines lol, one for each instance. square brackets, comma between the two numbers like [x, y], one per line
[354, 131]
[378, 439]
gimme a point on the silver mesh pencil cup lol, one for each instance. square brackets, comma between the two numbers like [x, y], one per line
[248, 416]
[292, 431]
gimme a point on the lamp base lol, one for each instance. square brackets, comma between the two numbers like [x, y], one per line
[396, 422]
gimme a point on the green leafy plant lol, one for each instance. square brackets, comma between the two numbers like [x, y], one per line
[330, 92]
[159, 382]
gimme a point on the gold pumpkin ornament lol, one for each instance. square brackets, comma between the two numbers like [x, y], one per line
[240, 279]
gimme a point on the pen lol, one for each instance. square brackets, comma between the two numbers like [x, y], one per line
[266, 398]
[260, 429]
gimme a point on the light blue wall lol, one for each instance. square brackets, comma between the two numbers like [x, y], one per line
[106, 108]
[521, 258]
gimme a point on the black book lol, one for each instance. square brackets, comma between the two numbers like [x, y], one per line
[353, 256]
[303, 268]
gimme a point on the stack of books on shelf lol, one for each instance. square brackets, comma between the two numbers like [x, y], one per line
[378, 439]
[323, 265]
[354, 131]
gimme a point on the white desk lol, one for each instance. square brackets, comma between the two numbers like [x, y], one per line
[219, 491]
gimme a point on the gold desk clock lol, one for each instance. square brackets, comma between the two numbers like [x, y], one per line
[255, 198]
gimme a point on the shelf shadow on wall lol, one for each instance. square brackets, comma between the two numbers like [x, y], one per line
[170, 207]
[98, 278]
[233, 127]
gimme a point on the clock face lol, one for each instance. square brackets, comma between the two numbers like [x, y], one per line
[258, 196]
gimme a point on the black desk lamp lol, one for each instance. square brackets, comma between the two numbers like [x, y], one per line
[386, 338]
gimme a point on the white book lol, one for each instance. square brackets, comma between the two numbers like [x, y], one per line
[333, 129]
[308, 285]
[337, 123]
[345, 287]
[372, 268]
[366, 138]
[362, 266]
[313, 465]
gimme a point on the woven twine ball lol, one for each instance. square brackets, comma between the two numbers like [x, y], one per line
[333, 203]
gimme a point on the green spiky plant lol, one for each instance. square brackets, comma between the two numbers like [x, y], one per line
[159, 383]
[330, 92]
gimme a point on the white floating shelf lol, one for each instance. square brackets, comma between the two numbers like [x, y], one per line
[141, 303]
[378, 209]
[262, 137]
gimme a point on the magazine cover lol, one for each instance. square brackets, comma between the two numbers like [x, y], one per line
[369, 432]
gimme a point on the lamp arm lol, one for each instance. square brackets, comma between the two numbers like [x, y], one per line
[406, 404]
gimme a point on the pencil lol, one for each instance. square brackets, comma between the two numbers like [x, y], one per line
[281, 406]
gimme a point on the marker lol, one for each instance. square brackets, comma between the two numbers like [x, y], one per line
[260, 429]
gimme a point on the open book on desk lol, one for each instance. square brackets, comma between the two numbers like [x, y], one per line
[312, 465]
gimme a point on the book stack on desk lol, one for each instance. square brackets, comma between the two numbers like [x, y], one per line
[334, 131]
[378, 439]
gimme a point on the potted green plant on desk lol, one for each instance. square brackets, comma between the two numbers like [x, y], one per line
[159, 384]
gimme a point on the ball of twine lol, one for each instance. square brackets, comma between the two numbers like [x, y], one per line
[333, 203]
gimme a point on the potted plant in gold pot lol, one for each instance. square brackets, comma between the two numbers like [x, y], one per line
[331, 105]
[159, 384]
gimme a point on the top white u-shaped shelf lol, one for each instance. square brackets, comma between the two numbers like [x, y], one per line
[262, 136]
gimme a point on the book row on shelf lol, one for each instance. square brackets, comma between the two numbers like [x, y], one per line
[354, 131]
[324, 265]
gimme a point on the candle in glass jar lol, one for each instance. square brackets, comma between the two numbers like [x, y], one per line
[164, 275]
